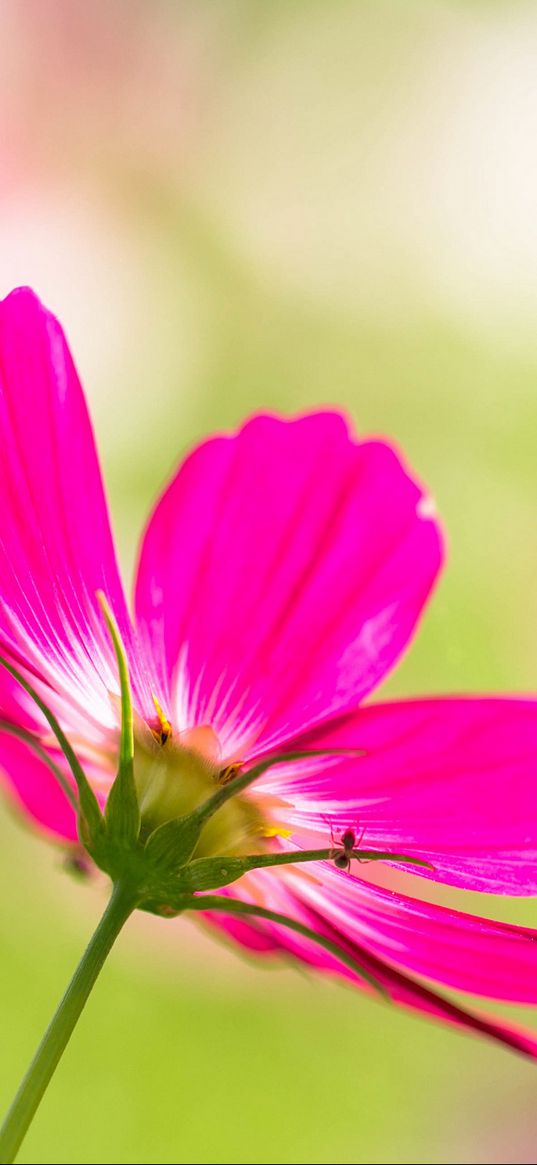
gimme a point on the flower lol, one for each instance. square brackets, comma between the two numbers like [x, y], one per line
[280, 577]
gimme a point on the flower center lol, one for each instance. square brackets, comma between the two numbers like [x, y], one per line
[175, 775]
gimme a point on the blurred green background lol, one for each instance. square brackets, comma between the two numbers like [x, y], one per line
[243, 205]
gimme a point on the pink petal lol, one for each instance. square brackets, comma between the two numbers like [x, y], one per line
[281, 576]
[56, 548]
[416, 996]
[452, 781]
[460, 950]
[35, 788]
[301, 899]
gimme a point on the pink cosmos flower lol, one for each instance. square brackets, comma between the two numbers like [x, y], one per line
[280, 577]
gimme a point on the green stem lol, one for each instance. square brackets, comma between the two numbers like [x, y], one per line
[56, 1038]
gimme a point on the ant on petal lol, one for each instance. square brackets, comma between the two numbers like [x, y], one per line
[344, 849]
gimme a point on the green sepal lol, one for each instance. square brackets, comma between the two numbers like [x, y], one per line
[212, 873]
[172, 844]
[365, 855]
[244, 779]
[122, 811]
[90, 819]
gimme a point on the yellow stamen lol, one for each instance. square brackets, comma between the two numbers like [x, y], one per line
[163, 733]
[277, 831]
[226, 774]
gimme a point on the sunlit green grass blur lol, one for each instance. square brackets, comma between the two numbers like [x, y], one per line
[253, 206]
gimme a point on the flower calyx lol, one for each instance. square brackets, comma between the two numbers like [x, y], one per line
[175, 826]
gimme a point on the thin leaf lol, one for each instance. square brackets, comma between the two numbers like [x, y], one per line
[33, 743]
[211, 873]
[122, 812]
[234, 906]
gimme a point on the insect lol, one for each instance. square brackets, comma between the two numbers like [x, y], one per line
[344, 849]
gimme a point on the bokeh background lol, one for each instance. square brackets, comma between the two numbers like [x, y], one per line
[244, 204]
